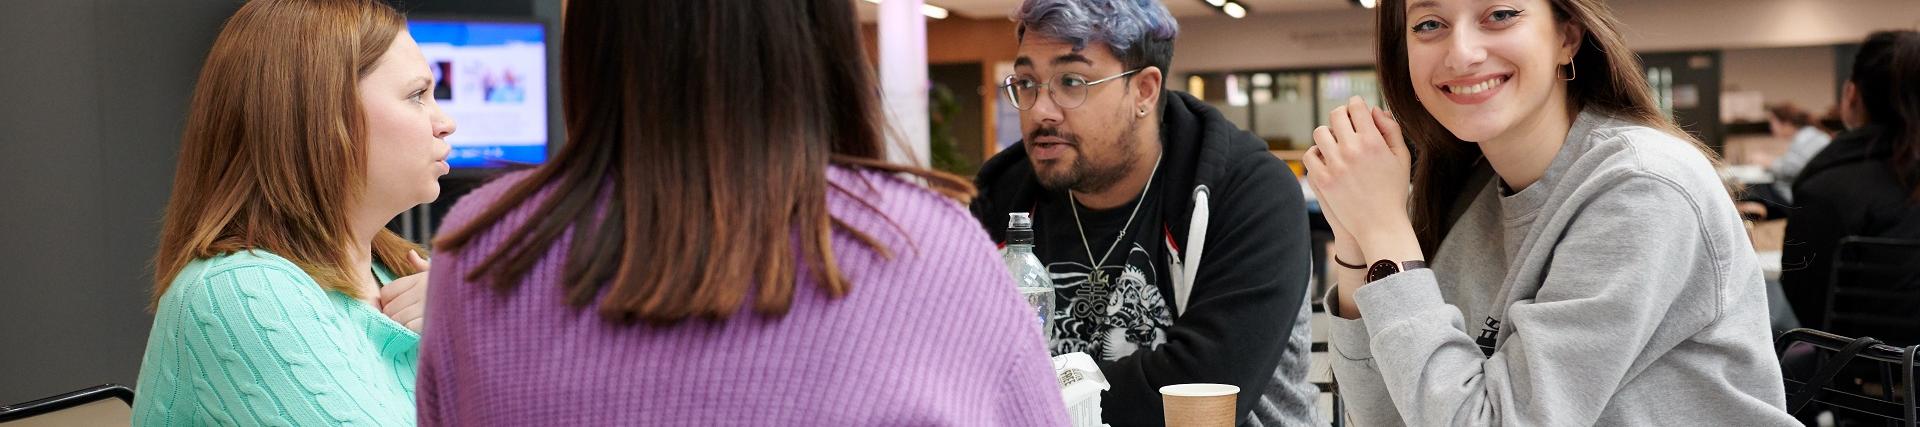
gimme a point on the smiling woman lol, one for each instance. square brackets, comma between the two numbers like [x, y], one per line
[1586, 263]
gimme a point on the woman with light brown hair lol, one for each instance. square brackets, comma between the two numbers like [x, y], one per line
[1587, 264]
[279, 296]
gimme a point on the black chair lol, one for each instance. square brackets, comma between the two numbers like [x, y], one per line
[1857, 359]
[1875, 287]
[90, 406]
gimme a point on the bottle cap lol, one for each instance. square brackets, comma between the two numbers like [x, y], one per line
[1019, 220]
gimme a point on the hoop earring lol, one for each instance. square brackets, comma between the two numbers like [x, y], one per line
[1572, 71]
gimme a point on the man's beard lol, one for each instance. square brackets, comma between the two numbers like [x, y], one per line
[1084, 175]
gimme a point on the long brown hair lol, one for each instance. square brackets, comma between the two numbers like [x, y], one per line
[1608, 79]
[707, 128]
[274, 152]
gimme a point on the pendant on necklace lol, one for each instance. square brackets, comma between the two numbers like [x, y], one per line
[1096, 285]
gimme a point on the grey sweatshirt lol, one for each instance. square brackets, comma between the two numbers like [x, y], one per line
[1619, 289]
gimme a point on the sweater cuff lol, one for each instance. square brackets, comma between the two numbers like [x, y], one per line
[1400, 297]
[1345, 337]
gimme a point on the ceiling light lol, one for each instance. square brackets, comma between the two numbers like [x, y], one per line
[1234, 10]
[1217, 3]
[935, 12]
[1367, 3]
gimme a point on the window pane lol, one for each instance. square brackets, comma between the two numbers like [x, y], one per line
[1283, 110]
[1337, 86]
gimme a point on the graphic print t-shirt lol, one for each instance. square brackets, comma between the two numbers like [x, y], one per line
[1128, 314]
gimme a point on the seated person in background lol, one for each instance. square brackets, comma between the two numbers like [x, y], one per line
[1867, 183]
[1805, 140]
[1796, 125]
[1588, 265]
[720, 242]
[1111, 170]
[280, 298]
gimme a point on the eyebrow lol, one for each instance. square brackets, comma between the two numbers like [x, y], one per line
[422, 80]
[1057, 61]
[1431, 4]
[1072, 57]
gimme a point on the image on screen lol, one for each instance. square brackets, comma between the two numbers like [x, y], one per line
[491, 77]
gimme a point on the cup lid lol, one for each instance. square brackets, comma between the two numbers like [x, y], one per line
[1200, 390]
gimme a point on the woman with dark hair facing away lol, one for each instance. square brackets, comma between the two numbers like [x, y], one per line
[1866, 183]
[720, 242]
[1587, 264]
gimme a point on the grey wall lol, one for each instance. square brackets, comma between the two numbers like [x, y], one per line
[95, 92]
[92, 96]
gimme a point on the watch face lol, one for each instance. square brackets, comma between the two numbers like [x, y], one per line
[1381, 269]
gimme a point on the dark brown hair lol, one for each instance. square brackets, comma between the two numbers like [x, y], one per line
[706, 128]
[1886, 75]
[275, 148]
[1609, 81]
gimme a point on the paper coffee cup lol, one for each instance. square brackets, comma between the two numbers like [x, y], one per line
[1199, 405]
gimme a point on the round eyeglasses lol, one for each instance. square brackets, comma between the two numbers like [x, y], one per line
[1068, 90]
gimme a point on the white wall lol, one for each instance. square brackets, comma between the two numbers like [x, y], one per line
[1656, 25]
[1334, 38]
[1803, 76]
[1345, 37]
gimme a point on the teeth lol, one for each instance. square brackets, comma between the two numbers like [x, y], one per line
[1482, 87]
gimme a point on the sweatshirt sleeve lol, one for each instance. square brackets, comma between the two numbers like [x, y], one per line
[1028, 392]
[1355, 376]
[1243, 303]
[1616, 277]
[1805, 145]
[269, 354]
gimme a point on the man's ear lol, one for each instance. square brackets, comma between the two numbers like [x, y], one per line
[1147, 87]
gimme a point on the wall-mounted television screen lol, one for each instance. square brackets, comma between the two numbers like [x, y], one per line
[491, 77]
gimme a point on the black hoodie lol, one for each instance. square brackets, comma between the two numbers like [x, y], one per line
[1245, 298]
[1849, 189]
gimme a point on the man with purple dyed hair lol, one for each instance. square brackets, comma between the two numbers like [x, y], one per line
[1129, 185]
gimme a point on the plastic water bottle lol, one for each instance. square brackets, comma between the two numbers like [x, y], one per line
[1027, 270]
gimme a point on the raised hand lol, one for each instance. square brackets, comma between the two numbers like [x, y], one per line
[405, 300]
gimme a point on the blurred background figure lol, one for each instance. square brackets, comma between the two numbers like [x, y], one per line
[1806, 139]
[1865, 184]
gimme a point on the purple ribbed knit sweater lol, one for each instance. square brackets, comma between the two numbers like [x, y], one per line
[936, 335]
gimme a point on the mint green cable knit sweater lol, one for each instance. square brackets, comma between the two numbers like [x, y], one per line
[250, 339]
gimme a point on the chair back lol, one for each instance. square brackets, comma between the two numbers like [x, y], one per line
[1859, 375]
[1875, 289]
[101, 405]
